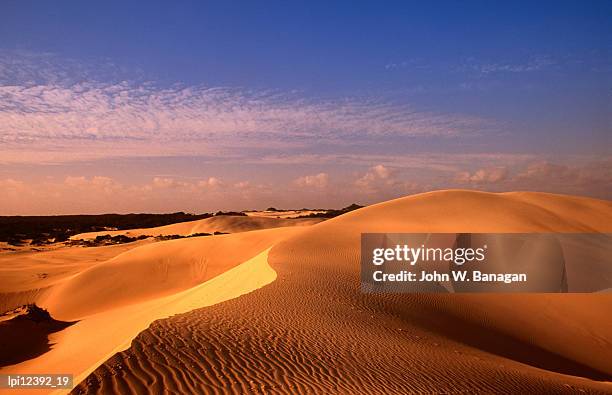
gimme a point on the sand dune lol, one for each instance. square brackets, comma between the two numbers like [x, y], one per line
[223, 223]
[312, 331]
[116, 299]
[26, 276]
[293, 318]
[154, 270]
[88, 343]
[109, 294]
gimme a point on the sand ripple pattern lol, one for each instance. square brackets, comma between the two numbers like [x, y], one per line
[312, 331]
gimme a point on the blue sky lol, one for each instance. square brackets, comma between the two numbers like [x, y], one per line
[447, 94]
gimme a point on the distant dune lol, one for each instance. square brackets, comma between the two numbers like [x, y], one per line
[155, 270]
[293, 318]
[223, 223]
[114, 292]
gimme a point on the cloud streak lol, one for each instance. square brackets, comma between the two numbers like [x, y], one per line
[93, 111]
[144, 146]
[43, 114]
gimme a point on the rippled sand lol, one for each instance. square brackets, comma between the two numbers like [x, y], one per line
[312, 331]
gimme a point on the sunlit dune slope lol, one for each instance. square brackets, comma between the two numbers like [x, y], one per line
[152, 271]
[27, 276]
[313, 331]
[542, 320]
[472, 211]
[109, 303]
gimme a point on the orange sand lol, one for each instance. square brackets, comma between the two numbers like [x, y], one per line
[294, 320]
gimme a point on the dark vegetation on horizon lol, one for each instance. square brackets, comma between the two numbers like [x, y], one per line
[174, 237]
[319, 212]
[230, 213]
[42, 230]
[104, 240]
[57, 228]
[331, 213]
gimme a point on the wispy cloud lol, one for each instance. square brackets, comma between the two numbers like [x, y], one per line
[482, 176]
[122, 112]
[233, 148]
[535, 63]
[423, 161]
[21, 67]
[58, 118]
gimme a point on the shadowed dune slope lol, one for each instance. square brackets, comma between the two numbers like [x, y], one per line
[29, 322]
[222, 223]
[313, 331]
[116, 299]
[26, 276]
[30, 276]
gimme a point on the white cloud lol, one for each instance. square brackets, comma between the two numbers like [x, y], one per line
[98, 183]
[314, 181]
[590, 177]
[211, 182]
[381, 171]
[170, 182]
[164, 183]
[594, 178]
[482, 176]
[378, 174]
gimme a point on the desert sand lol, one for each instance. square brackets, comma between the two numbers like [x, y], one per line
[280, 310]
[109, 294]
